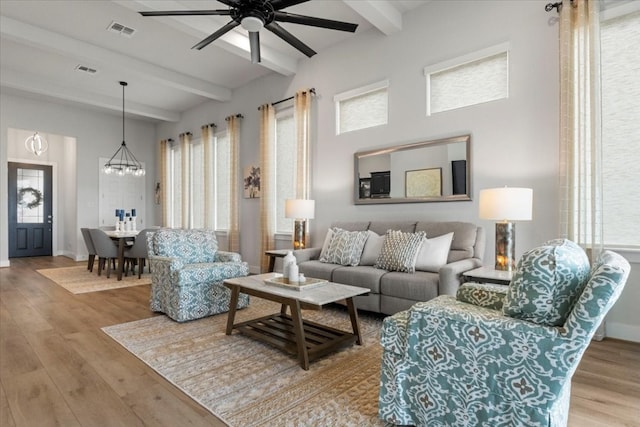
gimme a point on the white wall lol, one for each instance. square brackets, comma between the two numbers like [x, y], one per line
[96, 134]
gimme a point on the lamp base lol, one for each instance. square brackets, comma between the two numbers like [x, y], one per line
[505, 246]
[300, 234]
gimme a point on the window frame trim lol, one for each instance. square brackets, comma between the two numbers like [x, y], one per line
[353, 93]
[461, 60]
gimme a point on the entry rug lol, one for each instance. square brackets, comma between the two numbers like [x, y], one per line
[79, 280]
[247, 383]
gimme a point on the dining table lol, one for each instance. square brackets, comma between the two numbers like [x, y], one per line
[122, 237]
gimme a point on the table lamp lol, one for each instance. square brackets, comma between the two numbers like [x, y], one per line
[300, 210]
[505, 205]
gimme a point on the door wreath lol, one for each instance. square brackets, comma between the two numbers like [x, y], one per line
[36, 197]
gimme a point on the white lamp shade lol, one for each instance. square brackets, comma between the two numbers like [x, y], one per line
[506, 204]
[299, 208]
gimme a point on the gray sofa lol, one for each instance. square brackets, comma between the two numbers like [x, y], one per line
[393, 291]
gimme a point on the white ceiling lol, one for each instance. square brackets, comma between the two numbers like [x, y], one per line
[43, 41]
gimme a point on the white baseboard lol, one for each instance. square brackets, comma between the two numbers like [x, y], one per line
[623, 331]
[4, 263]
[253, 269]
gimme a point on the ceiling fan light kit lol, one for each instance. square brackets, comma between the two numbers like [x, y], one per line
[253, 15]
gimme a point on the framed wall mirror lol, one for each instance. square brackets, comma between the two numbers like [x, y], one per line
[428, 171]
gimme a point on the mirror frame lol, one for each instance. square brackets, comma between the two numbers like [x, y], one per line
[388, 200]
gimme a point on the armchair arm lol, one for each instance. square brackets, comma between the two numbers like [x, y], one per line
[223, 256]
[307, 254]
[451, 274]
[487, 295]
[169, 263]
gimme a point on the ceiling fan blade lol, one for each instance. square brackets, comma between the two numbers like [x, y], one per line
[230, 3]
[215, 35]
[281, 4]
[289, 38]
[254, 43]
[185, 12]
[315, 22]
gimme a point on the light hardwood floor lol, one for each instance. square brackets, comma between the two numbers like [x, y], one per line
[58, 368]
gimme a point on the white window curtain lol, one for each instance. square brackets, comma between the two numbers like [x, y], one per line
[301, 116]
[185, 169]
[233, 132]
[580, 125]
[208, 132]
[162, 192]
[267, 182]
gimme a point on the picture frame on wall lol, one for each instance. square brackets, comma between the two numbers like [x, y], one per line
[251, 180]
[423, 183]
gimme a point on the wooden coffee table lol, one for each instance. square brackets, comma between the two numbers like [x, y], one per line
[308, 340]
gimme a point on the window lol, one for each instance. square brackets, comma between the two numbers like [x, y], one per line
[285, 159]
[221, 164]
[468, 80]
[362, 108]
[620, 68]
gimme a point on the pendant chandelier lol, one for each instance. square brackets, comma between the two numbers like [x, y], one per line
[36, 144]
[123, 162]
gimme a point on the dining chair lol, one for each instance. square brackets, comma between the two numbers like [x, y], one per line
[86, 235]
[138, 252]
[106, 250]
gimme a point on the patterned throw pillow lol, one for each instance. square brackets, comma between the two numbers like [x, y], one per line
[345, 247]
[547, 283]
[399, 251]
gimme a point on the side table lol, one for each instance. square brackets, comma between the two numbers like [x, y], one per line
[273, 254]
[488, 275]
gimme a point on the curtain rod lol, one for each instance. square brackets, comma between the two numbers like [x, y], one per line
[239, 116]
[312, 90]
[557, 6]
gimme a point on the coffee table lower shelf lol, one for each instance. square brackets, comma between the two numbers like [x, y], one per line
[279, 331]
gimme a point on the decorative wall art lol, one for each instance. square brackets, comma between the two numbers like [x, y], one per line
[252, 182]
[423, 182]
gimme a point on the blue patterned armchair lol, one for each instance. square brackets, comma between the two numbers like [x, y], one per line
[497, 355]
[187, 271]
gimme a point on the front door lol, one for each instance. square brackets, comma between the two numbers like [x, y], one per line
[30, 213]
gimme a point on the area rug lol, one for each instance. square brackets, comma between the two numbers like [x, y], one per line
[79, 280]
[247, 383]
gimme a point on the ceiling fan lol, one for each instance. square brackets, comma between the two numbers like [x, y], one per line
[253, 15]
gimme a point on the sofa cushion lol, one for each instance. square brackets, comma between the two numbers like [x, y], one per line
[317, 269]
[372, 248]
[419, 286]
[399, 251]
[547, 283]
[361, 276]
[345, 247]
[381, 227]
[433, 253]
[191, 246]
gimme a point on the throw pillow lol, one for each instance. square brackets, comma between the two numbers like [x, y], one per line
[371, 248]
[345, 247]
[399, 251]
[434, 252]
[547, 283]
[325, 245]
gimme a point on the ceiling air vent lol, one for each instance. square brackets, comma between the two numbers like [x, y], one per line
[86, 69]
[121, 29]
